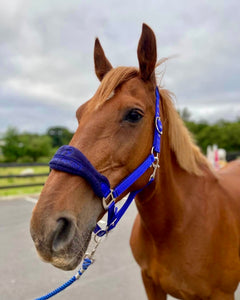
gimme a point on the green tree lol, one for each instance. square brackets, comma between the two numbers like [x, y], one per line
[36, 146]
[223, 133]
[25, 147]
[59, 135]
[232, 137]
[12, 148]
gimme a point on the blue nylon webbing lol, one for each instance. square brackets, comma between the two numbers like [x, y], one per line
[137, 173]
[114, 215]
[158, 124]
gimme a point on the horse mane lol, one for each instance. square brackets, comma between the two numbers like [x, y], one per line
[188, 154]
[181, 142]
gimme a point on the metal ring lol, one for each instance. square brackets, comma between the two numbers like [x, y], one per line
[97, 238]
[159, 130]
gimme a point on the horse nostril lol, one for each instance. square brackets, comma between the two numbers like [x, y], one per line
[63, 234]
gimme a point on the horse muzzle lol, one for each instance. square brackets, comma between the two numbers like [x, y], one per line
[61, 243]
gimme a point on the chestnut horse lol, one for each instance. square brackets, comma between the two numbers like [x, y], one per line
[186, 235]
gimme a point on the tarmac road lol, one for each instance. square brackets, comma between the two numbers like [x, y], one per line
[23, 276]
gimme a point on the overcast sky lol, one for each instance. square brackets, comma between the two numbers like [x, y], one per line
[46, 55]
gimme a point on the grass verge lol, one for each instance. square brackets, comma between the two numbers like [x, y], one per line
[22, 180]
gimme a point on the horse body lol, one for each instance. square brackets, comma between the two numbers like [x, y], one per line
[229, 179]
[189, 246]
[186, 235]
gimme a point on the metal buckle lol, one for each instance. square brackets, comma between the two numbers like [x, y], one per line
[155, 165]
[158, 125]
[105, 200]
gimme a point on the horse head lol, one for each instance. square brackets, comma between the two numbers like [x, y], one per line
[115, 133]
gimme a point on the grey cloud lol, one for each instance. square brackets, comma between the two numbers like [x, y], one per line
[29, 114]
[46, 53]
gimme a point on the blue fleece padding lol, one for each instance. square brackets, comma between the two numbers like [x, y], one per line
[71, 160]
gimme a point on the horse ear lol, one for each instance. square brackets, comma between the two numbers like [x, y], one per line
[147, 53]
[102, 65]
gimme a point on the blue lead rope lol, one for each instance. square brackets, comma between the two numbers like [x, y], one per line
[86, 263]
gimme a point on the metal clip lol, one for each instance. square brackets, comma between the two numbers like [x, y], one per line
[110, 198]
[155, 166]
[97, 241]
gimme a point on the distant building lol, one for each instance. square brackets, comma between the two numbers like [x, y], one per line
[216, 156]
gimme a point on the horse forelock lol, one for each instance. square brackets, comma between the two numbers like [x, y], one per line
[114, 78]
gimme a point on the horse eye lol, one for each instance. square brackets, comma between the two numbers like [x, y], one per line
[133, 116]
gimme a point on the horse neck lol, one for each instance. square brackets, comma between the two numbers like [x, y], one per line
[163, 205]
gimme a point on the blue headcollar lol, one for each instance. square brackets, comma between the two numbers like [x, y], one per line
[71, 160]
